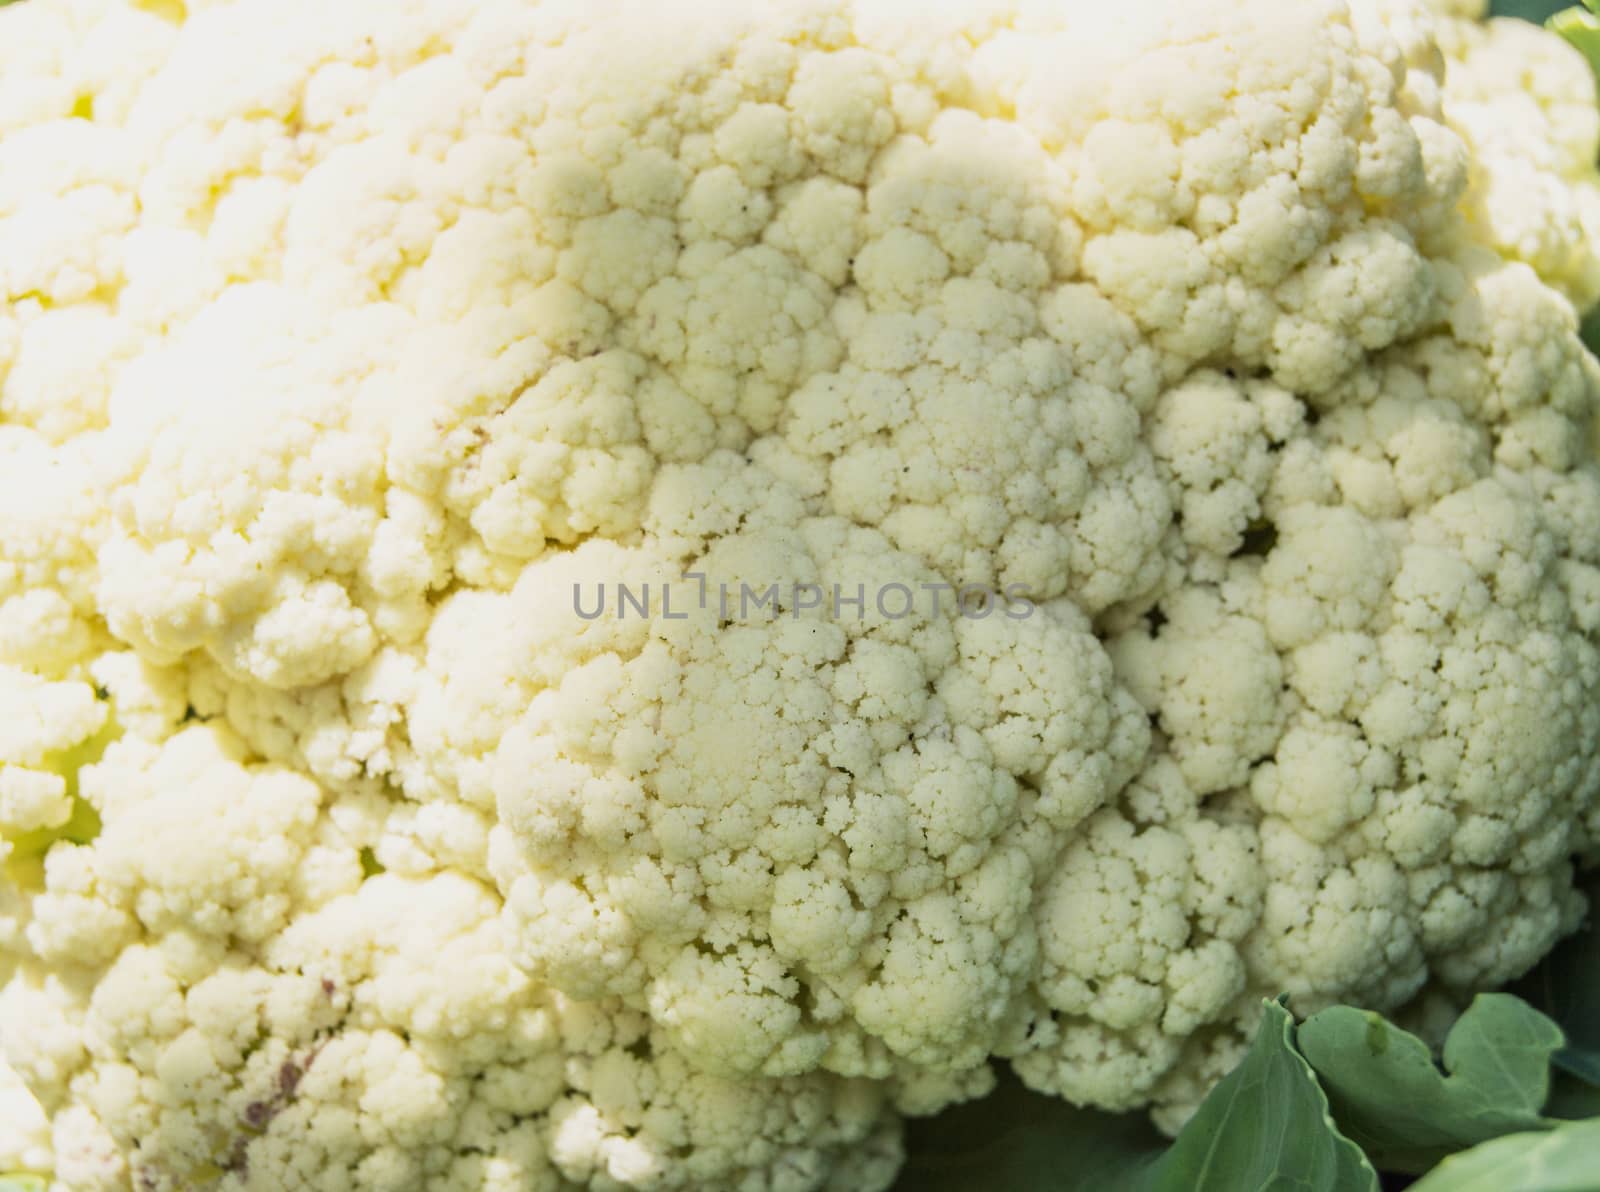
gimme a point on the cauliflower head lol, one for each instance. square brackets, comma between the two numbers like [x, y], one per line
[616, 595]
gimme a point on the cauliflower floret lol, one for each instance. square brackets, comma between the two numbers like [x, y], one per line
[51, 514]
[883, 819]
[1524, 103]
[25, 1142]
[291, 1023]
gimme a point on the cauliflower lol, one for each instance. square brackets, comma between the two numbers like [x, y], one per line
[616, 596]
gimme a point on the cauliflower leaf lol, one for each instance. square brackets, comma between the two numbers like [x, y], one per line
[1392, 1099]
[1266, 1125]
[1562, 1160]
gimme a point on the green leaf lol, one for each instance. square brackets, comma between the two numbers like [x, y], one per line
[19, 1181]
[1562, 1160]
[1266, 1126]
[1017, 1141]
[1528, 10]
[1394, 1102]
